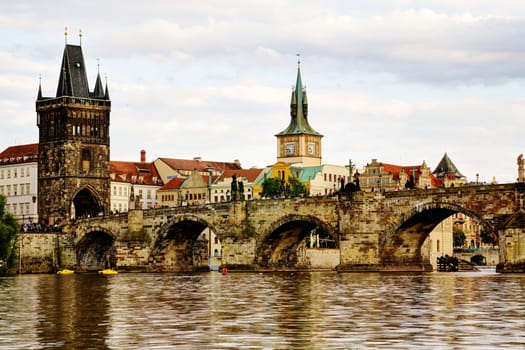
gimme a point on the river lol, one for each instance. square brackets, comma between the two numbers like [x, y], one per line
[307, 310]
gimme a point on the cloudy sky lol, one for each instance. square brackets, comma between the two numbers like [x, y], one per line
[397, 80]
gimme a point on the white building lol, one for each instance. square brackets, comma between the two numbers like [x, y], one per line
[18, 181]
[140, 177]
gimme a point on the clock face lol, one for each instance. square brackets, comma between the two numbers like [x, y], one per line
[290, 148]
[311, 148]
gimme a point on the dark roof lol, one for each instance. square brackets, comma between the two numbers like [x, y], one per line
[20, 154]
[299, 111]
[73, 80]
[200, 165]
[446, 167]
[250, 174]
[73, 77]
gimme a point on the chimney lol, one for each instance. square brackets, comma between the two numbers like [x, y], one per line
[143, 156]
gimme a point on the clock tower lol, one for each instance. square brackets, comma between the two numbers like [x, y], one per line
[299, 142]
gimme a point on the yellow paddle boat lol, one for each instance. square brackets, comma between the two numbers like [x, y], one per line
[65, 272]
[108, 272]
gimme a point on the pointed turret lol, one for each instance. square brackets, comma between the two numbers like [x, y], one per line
[299, 111]
[73, 78]
[106, 95]
[98, 92]
[446, 168]
[39, 95]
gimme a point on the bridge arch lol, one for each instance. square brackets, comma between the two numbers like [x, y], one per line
[180, 246]
[95, 250]
[403, 238]
[276, 247]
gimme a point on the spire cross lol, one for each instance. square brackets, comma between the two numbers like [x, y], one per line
[65, 34]
[80, 36]
[298, 58]
[98, 65]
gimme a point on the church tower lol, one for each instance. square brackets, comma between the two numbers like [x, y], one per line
[73, 145]
[299, 142]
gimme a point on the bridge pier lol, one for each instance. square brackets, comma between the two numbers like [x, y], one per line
[512, 244]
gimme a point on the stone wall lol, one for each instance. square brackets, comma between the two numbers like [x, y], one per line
[38, 252]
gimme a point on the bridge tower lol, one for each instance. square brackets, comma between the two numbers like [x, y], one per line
[299, 142]
[73, 144]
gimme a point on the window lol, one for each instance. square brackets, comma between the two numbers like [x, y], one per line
[86, 160]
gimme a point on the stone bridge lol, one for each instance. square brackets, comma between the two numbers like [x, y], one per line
[373, 231]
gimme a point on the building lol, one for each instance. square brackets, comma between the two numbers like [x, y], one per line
[439, 242]
[448, 174]
[18, 182]
[169, 168]
[379, 176]
[251, 180]
[73, 144]
[299, 151]
[299, 142]
[140, 178]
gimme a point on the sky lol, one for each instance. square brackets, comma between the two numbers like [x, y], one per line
[400, 81]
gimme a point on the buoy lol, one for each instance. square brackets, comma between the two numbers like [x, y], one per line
[224, 271]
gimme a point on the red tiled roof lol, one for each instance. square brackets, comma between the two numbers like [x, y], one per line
[173, 184]
[200, 165]
[20, 154]
[396, 169]
[249, 174]
[145, 170]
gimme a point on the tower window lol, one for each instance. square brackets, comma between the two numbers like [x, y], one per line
[86, 160]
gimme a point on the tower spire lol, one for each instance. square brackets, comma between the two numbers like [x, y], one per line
[299, 108]
[39, 95]
[65, 35]
[80, 36]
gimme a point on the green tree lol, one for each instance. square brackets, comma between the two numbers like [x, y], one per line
[458, 238]
[9, 228]
[296, 188]
[272, 187]
[489, 237]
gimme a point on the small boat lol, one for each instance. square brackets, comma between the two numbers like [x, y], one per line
[108, 272]
[65, 272]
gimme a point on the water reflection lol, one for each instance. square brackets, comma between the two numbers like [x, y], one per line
[263, 311]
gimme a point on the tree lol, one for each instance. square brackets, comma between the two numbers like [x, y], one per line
[272, 187]
[459, 237]
[9, 228]
[489, 237]
[296, 188]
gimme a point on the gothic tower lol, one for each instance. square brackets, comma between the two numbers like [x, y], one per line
[73, 145]
[299, 142]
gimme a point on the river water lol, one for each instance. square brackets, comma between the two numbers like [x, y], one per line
[310, 310]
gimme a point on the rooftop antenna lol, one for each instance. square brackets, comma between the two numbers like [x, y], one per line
[65, 34]
[80, 36]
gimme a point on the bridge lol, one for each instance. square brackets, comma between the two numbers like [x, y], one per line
[373, 231]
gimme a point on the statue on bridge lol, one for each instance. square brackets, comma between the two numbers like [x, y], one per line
[521, 168]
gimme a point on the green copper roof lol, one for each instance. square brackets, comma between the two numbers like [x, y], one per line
[299, 111]
[309, 173]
